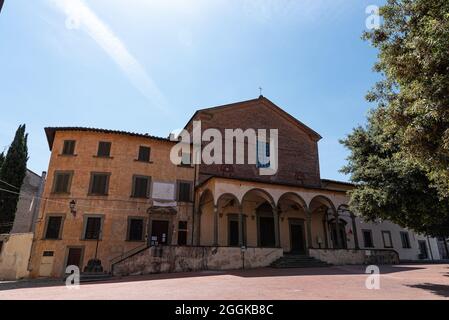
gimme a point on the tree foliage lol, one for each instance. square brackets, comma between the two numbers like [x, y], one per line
[400, 159]
[12, 172]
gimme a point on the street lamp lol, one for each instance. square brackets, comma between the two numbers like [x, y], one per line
[72, 206]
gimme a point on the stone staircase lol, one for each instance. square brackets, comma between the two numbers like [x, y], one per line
[298, 261]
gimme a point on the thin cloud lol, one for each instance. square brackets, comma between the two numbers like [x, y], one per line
[80, 16]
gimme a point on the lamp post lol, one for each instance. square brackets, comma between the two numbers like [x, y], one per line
[72, 206]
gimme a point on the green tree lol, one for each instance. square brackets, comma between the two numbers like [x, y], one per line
[12, 172]
[413, 43]
[399, 161]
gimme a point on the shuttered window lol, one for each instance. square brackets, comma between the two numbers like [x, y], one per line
[104, 149]
[141, 187]
[135, 229]
[53, 227]
[368, 239]
[182, 233]
[99, 184]
[405, 240]
[184, 191]
[69, 147]
[93, 228]
[144, 154]
[62, 182]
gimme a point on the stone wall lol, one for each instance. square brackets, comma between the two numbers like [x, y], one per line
[14, 255]
[348, 256]
[183, 259]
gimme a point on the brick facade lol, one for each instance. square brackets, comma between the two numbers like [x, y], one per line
[115, 209]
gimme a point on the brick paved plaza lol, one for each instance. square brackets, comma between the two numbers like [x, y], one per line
[346, 282]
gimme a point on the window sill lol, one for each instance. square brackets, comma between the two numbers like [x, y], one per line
[67, 155]
[91, 239]
[48, 239]
[103, 157]
[60, 193]
[185, 166]
[142, 198]
[97, 195]
[127, 240]
[143, 161]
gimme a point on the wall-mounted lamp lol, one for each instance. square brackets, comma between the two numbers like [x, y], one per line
[72, 206]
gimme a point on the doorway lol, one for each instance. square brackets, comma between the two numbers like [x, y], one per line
[74, 257]
[159, 232]
[297, 238]
[423, 254]
[266, 232]
[233, 233]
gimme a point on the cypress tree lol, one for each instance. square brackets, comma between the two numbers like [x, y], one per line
[2, 159]
[12, 171]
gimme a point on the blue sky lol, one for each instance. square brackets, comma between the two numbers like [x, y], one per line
[147, 65]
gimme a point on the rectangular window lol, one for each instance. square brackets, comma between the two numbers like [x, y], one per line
[62, 181]
[53, 228]
[93, 228]
[386, 237]
[182, 233]
[135, 229]
[141, 187]
[69, 148]
[185, 159]
[104, 149]
[99, 184]
[184, 191]
[144, 154]
[405, 240]
[263, 154]
[368, 239]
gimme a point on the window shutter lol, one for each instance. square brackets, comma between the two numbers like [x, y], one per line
[135, 229]
[184, 192]
[141, 187]
[69, 147]
[144, 154]
[93, 226]
[104, 149]
[53, 227]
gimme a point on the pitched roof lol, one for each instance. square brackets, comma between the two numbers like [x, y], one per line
[267, 103]
[51, 131]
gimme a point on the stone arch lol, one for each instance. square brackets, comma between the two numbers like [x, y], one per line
[261, 193]
[323, 200]
[294, 197]
[229, 196]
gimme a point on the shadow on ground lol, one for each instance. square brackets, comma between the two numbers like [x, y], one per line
[438, 289]
[249, 273]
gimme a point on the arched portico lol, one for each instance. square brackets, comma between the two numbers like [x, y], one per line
[245, 213]
[263, 227]
[322, 209]
[294, 226]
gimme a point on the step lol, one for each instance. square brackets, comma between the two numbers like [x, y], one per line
[298, 261]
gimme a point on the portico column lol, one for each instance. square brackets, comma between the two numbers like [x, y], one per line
[198, 230]
[277, 242]
[309, 228]
[337, 231]
[241, 242]
[215, 225]
[354, 230]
